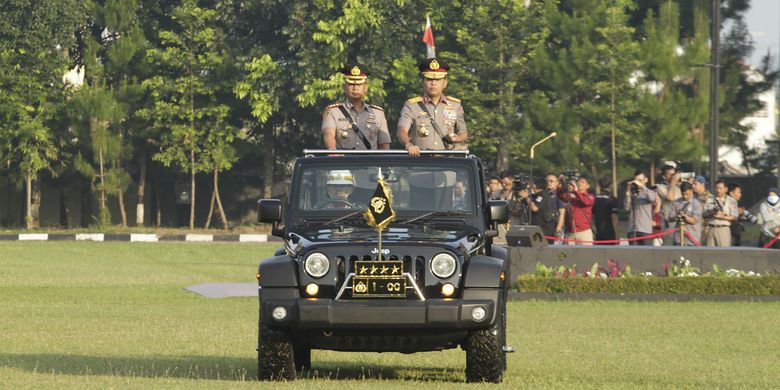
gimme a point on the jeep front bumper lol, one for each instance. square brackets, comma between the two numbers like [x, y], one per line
[323, 313]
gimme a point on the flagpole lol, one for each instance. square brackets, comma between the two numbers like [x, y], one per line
[379, 231]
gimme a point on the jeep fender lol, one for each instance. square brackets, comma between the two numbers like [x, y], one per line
[499, 251]
[278, 271]
[483, 272]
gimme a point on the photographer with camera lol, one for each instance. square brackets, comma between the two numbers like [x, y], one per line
[550, 211]
[639, 201]
[686, 212]
[515, 191]
[720, 211]
[580, 211]
[668, 192]
[735, 191]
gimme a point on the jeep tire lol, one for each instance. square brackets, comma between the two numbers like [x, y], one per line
[302, 357]
[485, 356]
[274, 355]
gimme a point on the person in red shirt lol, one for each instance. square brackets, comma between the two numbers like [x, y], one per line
[580, 211]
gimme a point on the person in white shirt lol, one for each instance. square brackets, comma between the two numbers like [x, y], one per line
[769, 219]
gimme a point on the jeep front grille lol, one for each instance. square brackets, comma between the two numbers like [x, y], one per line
[414, 272]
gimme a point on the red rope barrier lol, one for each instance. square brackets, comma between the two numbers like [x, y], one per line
[690, 237]
[774, 240]
[568, 240]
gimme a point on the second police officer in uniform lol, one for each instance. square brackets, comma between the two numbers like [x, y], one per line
[432, 121]
[355, 124]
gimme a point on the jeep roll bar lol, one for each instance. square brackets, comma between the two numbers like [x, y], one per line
[394, 152]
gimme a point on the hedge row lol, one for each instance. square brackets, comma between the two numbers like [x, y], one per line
[708, 285]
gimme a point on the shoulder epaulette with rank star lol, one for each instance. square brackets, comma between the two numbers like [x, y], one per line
[376, 107]
[328, 107]
[456, 100]
[415, 99]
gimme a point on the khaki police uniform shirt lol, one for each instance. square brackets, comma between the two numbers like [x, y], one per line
[370, 120]
[448, 114]
[728, 205]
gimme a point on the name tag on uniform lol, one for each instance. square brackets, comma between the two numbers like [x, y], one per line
[343, 119]
[450, 114]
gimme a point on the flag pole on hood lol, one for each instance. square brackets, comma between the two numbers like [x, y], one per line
[427, 37]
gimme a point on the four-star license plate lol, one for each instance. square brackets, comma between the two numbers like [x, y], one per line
[379, 279]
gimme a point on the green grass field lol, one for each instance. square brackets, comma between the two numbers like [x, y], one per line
[116, 315]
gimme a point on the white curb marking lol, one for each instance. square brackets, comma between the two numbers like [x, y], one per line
[33, 237]
[144, 238]
[253, 238]
[199, 238]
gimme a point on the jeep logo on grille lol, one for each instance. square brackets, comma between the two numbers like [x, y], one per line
[384, 251]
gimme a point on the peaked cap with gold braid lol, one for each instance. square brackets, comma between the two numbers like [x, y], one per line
[433, 68]
[355, 73]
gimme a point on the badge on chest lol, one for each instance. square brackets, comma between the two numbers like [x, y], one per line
[449, 113]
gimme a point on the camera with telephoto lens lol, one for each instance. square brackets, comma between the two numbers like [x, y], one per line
[520, 183]
[634, 188]
[687, 175]
[571, 176]
[749, 217]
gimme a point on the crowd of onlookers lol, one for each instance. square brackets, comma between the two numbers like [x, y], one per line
[675, 211]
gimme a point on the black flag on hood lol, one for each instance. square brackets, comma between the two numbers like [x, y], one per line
[380, 212]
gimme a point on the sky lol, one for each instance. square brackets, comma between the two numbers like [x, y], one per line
[763, 21]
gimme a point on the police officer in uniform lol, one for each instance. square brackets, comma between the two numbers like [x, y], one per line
[432, 121]
[355, 124]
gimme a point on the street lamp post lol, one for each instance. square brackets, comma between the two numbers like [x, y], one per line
[531, 170]
[714, 92]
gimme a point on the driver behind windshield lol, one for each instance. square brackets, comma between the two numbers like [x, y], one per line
[339, 186]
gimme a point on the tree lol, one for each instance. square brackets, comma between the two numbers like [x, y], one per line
[616, 59]
[32, 62]
[584, 77]
[122, 46]
[185, 91]
[671, 110]
[741, 87]
[30, 147]
[96, 113]
[494, 42]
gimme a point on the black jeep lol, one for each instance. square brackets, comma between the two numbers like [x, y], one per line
[435, 281]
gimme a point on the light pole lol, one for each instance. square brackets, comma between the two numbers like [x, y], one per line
[531, 170]
[714, 92]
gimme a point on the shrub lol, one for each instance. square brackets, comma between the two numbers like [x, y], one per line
[708, 285]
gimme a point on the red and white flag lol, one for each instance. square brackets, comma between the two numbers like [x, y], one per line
[427, 37]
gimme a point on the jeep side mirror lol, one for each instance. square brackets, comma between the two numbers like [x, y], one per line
[269, 211]
[499, 211]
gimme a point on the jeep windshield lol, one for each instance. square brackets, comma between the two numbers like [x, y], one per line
[330, 196]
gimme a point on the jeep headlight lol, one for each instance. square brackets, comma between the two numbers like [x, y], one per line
[316, 265]
[443, 265]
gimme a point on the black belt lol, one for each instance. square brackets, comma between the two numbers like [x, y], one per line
[719, 226]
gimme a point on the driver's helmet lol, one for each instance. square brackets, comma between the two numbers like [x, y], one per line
[340, 184]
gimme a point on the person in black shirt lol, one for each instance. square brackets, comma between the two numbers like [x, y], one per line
[605, 213]
[551, 209]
